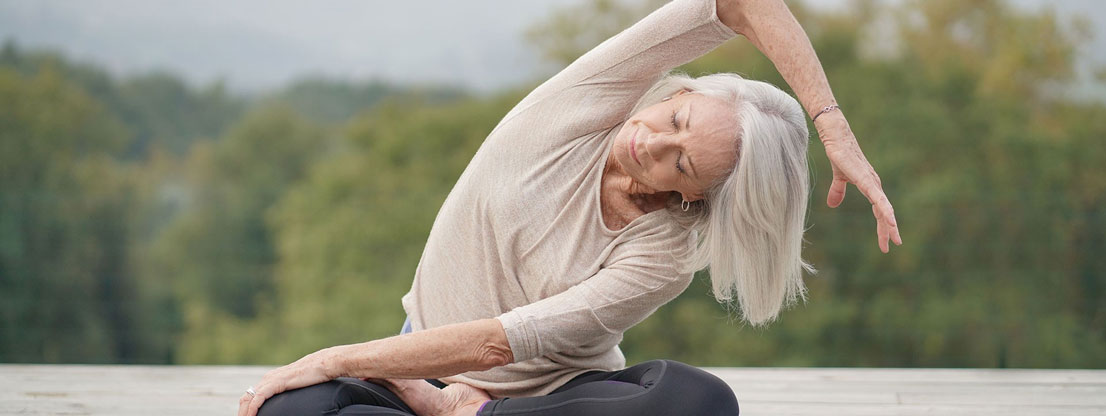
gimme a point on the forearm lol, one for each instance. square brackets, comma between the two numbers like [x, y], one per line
[433, 353]
[771, 27]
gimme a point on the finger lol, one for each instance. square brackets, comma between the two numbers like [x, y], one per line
[261, 390]
[836, 192]
[873, 191]
[881, 231]
[885, 226]
[255, 405]
[244, 404]
[885, 213]
[883, 209]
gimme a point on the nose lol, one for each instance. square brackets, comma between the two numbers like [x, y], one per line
[660, 143]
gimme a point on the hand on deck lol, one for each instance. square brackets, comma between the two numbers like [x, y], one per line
[850, 166]
[307, 371]
[457, 399]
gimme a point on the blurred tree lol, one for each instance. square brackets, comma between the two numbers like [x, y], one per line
[350, 235]
[336, 102]
[158, 108]
[164, 111]
[67, 290]
[219, 252]
[574, 30]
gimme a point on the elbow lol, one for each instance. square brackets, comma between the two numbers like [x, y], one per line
[732, 14]
[492, 355]
[739, 14]
[493, 348]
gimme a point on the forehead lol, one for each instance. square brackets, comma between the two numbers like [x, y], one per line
[713, 124]
[710, 118]
[712, 109]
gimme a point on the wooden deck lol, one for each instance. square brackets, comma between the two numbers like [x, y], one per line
[199, 390]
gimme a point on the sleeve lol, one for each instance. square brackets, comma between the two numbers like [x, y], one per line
[616, 73]
[642, 279]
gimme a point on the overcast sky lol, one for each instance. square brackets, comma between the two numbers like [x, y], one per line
[262, 44]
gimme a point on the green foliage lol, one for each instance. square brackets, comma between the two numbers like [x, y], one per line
[165, 112]
[218, 251]
[350, 235]
[335, 102]
[160, 110]
[68, 291]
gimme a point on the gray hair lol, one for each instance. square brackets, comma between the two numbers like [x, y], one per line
[749, 228]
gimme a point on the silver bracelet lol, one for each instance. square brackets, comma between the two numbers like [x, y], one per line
[825, 109]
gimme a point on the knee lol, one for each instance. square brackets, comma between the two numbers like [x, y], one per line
[701, 393]
[309, 400]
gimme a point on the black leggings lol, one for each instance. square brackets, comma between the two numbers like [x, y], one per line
[659, 387]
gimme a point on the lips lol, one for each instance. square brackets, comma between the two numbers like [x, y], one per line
[633, 147]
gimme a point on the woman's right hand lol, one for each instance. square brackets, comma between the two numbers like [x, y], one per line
[314, 368]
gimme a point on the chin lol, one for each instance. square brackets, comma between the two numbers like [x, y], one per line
[622, 156]
[624, 149]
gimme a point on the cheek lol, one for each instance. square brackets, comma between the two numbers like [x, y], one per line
[664, 175]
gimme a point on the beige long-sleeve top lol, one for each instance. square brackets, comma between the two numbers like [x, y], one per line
[521, 238]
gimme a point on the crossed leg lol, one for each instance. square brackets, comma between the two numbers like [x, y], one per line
[658, 387]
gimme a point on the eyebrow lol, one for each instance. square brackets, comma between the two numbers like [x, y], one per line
[687, 120]
[687, 125]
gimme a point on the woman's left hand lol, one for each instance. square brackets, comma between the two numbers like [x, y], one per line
[850, 166]
[310, 370]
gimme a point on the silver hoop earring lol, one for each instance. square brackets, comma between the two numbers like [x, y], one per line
[685, 205]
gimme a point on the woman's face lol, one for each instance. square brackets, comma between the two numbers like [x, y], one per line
[683, 144]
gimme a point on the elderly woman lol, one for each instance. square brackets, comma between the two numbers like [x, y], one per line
[589, 206]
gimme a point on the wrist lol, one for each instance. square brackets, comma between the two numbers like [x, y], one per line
[832, 125]
[333, 361]
[824, 110]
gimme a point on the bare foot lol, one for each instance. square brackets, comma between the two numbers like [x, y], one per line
[457, 399]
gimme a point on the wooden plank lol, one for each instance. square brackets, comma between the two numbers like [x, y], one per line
[788, 409]
[193, 390]
[877, 389]
[123, 390]
[1057, 398]
[997, 376]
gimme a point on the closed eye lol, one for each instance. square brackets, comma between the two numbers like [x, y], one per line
[681, 154]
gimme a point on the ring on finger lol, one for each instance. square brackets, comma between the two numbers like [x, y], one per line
[250, 391]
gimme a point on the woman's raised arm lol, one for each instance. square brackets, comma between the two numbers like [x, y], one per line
[432, 353]
[772, 28]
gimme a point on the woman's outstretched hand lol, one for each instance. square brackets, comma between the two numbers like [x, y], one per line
[307, 371]
[850, 166]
